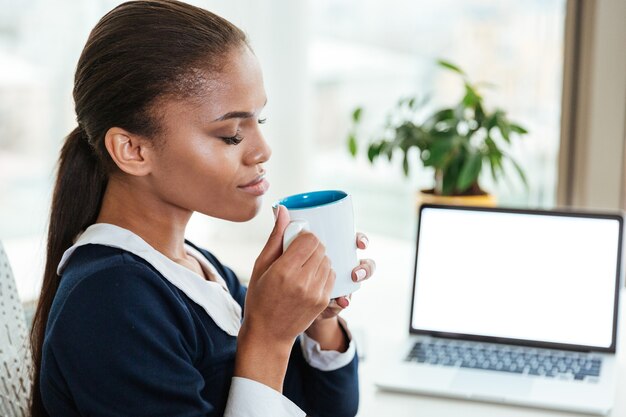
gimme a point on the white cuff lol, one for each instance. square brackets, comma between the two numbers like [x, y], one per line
[327, 360]
[248, 398]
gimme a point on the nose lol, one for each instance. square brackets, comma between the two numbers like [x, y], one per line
[259, 151]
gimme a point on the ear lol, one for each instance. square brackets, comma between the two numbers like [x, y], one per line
[131, 153]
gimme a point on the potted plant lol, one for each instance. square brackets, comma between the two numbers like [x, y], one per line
[456, 142]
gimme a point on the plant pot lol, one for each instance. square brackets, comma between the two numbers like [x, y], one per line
[482, 200]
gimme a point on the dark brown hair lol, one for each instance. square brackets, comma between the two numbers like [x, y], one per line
[138, 53]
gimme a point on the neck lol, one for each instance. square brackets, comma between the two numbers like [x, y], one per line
[161, 224]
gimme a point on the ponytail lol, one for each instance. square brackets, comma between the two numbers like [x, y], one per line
[76, 201]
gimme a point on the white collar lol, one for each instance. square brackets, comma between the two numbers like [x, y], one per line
[214, 297]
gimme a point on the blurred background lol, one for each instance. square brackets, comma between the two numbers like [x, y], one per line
[557, 67]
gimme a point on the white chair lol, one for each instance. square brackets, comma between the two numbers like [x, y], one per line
[14, 348]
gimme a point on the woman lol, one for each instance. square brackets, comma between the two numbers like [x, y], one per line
[132, 319]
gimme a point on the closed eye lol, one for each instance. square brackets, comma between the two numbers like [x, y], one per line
[232, 140]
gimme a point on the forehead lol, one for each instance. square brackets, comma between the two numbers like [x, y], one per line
[238, 86]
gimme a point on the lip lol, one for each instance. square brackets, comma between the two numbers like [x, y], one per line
[257, 187]
[258, 179]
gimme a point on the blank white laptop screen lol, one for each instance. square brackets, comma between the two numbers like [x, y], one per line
[522, 276]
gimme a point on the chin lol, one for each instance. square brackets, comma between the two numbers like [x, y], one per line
[246, 214]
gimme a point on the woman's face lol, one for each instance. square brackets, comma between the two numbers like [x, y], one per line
[211, 159]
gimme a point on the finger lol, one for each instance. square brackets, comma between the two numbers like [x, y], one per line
[362, 242]
[343, 302]
[274, 246]
[317, 280]
[303, 247]
[364, 271]
[329, 284]
[322, 272]
[314, 263]
[333, 308]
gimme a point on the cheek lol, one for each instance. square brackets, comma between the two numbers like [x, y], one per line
[208, 170]
[195, 155]
[205, 179]
[190, 165]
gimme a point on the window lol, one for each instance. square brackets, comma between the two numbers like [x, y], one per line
[372, 53]
[365, 52]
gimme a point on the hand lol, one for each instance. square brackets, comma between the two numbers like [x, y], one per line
[324, 328]
[287, 291]
[367, 266]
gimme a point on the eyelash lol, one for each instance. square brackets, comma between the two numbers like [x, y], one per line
[236, 140]
[232, 140]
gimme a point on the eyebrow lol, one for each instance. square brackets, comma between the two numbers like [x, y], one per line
[237, 115]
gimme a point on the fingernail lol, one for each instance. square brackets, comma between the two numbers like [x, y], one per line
[276, 210]
[360, 274]
[347, 302]
[364, 241]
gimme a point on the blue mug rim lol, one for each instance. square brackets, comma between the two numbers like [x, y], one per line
[328, 197]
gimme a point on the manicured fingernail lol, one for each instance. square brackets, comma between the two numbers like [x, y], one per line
[347, 301]
[276, 210]
[360, 274]
[364, 241]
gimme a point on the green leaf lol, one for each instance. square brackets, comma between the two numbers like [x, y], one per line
[479, 115]
[519, 170]
[448, 184]
[450, 66]
[493, 164]
[469, 171]
[450, 177]
[503, 125]
[387, 149]
[405, 164]
[406, 135]
[373, 151]
[496, 166]
[505, 129]
[472, 98]
[440, 152]
[356, 114]
[518, 129]
[492, 148]
[443, 115]
[352, 147]
[459, 112]
[491, 121]
[495, 157]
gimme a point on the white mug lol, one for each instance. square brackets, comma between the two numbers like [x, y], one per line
[329, 216]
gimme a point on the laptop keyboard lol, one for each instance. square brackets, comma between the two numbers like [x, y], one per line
[519, 360]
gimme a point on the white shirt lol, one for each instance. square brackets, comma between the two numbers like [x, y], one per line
[213, 296]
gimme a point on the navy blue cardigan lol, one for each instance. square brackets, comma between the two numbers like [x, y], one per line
[121, 340]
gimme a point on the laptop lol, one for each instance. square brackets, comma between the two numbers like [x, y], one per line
[513, 306]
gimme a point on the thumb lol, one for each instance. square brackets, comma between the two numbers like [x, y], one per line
[274, 246]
